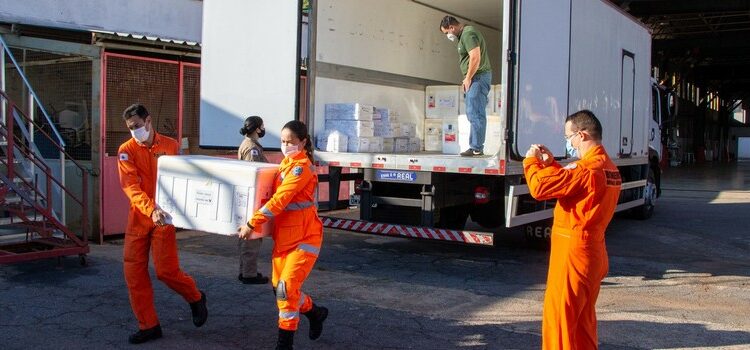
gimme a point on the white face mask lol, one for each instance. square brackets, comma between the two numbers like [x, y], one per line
[289, 150]
[451, 37]
[141, 134]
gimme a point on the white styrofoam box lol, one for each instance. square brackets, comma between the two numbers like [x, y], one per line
[333, 141]
[359, 144]
[415, 144]
[490, 109]
[456, 133]
[388, 145]
[376, 144]
[401, 145]
[408, 130]
[493, 138]
[433, 135]
[498, 89]
[441, 101]
[352, 128]
[213, 194]
[349, 111]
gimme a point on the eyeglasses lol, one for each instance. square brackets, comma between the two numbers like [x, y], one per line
[571, 136]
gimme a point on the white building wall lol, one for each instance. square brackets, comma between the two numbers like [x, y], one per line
[168, 19]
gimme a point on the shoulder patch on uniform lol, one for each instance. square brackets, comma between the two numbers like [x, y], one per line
[124, 157]
[571, 166]
[254, 152]
[297, 171]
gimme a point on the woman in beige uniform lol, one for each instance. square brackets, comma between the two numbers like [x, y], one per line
[251, 150]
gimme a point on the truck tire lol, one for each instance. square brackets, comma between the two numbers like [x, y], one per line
[650, 193]
[489, 215]
[454, 218]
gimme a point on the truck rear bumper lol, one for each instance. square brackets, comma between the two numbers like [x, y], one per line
[393, 230]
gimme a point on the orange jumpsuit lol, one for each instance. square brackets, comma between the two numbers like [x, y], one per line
[587, 192]
[297, 235]
[137, 168]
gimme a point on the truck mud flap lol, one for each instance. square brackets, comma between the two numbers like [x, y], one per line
[375, 228]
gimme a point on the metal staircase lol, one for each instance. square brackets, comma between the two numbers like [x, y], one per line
[33, 200]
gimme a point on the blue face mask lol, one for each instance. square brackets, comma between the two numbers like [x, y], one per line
[570, 149]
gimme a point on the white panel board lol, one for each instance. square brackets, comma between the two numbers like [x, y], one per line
[543, 75]
[393, 36]
[408, 103]
[168, 19]
[600, 33]
[248, 68]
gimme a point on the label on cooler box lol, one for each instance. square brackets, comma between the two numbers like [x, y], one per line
[204, 196]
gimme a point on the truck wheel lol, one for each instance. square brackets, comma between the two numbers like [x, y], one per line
[650, 193]
[538, 234]
[488, 215]
[454, 218]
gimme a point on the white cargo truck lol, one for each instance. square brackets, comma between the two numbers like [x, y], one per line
[549, 59]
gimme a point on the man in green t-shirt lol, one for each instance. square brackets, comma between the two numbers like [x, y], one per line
[475, 66]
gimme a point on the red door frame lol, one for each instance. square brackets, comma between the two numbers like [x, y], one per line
[114, 219]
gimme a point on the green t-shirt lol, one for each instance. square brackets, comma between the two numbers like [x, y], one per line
[469, 39]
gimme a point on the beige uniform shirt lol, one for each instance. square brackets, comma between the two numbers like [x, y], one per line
[251, 150]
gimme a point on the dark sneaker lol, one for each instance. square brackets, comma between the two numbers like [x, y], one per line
[199, 310]
[471, 153]
[258, 279]
[144, 335]
[316, 315]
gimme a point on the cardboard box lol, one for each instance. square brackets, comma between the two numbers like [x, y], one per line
[415, 145]
[213, 194]
[408, 130]
[359, 144]
[441, 101]
[388, 145]
[349, 111]
[376, 144]
[352, 128]
[401, 145]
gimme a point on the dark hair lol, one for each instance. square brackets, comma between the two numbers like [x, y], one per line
[299, 129]
[136, 109]
[448, 21]
[586, 120]
[251, 124]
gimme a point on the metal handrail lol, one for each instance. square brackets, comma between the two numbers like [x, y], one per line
[35, 98]
[8, 127]
[31, 90]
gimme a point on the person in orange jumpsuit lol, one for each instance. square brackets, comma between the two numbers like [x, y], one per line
[587, 192]
[148, 228]
[297, 234]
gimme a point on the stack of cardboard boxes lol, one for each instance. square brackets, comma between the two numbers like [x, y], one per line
[358, 128]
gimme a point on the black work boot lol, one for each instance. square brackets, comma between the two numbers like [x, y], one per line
[200, 312]
[316, 315]
[144, 335]
[286, 340]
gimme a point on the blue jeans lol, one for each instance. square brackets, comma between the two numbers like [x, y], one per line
[476, 108]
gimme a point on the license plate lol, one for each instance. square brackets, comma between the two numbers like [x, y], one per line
[393, 175]
[354, 200]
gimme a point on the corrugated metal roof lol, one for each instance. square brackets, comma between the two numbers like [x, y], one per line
[152, 39]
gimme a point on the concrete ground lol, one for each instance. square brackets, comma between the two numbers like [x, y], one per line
[678, 280]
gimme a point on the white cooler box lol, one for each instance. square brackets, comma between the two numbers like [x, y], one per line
[212, 194]
[456, 134]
